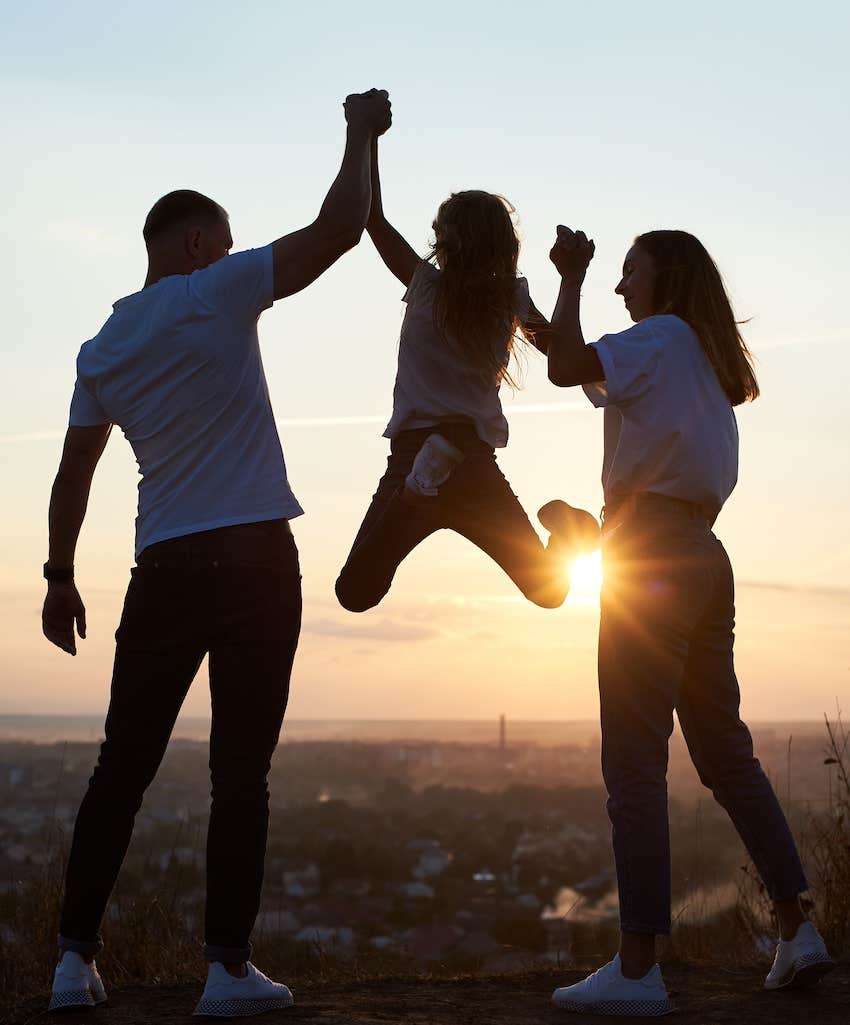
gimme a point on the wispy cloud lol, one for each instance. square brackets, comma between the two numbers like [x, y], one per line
[786, 587]
[383, 630]
[342, 420]
[511, 409]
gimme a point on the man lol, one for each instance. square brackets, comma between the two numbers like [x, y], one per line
[177, 366]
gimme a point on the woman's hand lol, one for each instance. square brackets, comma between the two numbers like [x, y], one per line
[571, 254]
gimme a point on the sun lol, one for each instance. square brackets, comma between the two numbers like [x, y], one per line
[586, 577]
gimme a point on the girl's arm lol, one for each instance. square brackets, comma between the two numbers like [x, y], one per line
[536, 328]
[393, 249]
[571, 362]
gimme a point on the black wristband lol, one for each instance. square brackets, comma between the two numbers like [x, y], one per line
[58, 576]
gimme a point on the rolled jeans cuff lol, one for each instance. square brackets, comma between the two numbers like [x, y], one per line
[227, 955]
[85, 948]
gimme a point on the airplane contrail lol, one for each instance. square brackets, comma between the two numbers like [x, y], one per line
[521, 409]
[339, 421]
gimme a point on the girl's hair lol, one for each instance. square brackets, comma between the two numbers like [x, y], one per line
[475, 297]
[689, 285]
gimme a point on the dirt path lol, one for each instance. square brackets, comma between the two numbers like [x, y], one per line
[702, 996]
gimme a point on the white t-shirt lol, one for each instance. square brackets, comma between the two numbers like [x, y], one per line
[433, 381]
[669, 425]
[177, 366]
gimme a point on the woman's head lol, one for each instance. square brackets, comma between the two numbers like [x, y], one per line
[672, 272]
[475, 303]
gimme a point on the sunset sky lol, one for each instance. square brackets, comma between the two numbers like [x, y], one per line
[727, 120]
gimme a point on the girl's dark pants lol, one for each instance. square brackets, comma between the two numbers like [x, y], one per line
[234, 594]
[665, 643]
[476, 501]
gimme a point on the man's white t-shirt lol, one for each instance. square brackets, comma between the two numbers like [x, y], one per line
[177, 366]
[434, 383]
[669, 425]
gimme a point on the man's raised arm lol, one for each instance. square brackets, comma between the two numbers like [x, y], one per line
[299, 258]
[68, 500]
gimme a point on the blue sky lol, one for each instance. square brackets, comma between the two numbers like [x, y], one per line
[729, 121]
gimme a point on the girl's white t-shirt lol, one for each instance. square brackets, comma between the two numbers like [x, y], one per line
[669, 425]
[434, 383]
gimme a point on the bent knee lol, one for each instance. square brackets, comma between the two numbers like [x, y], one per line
[354, 599]
[546, 597]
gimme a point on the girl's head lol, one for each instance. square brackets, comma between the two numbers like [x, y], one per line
[475, 302]
[671, 272]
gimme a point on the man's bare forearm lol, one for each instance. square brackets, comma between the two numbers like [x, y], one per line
[68, 502]
[345, 209]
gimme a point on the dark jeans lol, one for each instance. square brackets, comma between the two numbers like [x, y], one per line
[476, 501]
[665, 643]
[235, 594]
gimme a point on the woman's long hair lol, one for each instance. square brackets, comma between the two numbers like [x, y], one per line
[475, 297]
[689, 285]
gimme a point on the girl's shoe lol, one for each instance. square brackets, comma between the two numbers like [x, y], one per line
[799, 962]
[609, 992]
[228, 997]
[575, 530]
[76, 984]
[432, 466]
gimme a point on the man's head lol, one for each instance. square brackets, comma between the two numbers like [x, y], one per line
[186, 231]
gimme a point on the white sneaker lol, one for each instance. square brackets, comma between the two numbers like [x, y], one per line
[608, 992]
[799, 962]
[76, 984]
[227, 997]
[432, 466]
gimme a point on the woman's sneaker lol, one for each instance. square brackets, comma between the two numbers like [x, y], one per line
[574, 530]
[799, 962]
[229, 997]
[76, 984]
[432, 466]
[609, 992]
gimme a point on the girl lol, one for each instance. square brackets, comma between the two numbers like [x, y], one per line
[456, 340]
[668, 385]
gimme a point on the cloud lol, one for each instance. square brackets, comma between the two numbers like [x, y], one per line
[290, 422]
[811, 590]
[382, 630]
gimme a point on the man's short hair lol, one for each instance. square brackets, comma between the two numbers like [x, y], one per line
[178, 207]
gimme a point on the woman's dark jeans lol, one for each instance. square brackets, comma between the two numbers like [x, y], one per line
[235, 594]
[665, 643]
[476, 501]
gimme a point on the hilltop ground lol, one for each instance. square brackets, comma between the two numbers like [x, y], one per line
[703, 996]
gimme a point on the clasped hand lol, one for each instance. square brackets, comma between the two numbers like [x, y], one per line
[371, 111]
[572, 253]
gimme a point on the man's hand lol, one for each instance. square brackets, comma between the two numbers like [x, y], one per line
[63, 606]
[369, 111]
[571, 254]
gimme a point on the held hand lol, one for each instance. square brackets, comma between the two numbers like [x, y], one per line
[571, 254]
[62, 607]
[371, 111]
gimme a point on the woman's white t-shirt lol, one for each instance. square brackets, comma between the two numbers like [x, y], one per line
[434, 383]
[669, 425]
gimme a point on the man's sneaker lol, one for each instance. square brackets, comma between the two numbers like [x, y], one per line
[432, 466]
[574, 530]
[76, 984]
[608, 992]
[227, 997]
[799, 962]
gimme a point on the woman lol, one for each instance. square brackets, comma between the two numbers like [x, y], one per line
[668, 385]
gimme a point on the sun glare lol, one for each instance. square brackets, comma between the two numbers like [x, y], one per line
[586, 574]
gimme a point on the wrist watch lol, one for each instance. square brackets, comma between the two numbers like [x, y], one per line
[54, 575]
